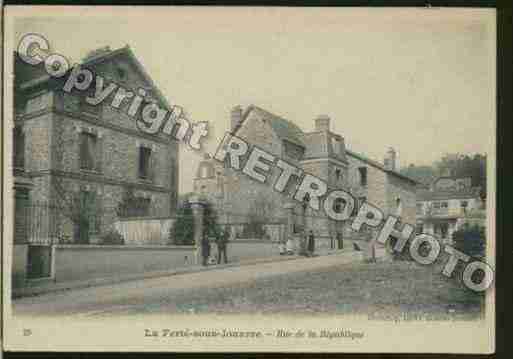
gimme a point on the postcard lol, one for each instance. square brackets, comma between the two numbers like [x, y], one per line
[249, 179]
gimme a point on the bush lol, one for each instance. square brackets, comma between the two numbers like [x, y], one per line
[182, 233]
[470, 240]
[112, 237]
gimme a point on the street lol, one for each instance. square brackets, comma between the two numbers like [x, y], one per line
[156, 294]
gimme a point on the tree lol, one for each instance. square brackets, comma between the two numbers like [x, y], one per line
[460, 165]
[76, 208]
[132, 206]
[182, 233]
[422, 174]
[453, 164]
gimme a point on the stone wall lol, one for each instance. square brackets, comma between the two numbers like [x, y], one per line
[77, 262]
[376, 189]
[19, 265]
[139, 231]
[398, 188]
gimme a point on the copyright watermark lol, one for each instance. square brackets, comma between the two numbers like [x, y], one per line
[150, 117]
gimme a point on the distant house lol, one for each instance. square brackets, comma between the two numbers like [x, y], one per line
[449, 202]
[71, 158]
[320, 152]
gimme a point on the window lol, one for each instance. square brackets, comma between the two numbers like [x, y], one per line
[336, 146]
[338, 174]
[88, 151]
[19, 148]
[143, 209]
[144, 162]
[419, 208]
[464, 204]
[204, 172]
[133, 205]
[444, 205]
[436, 205]
[419, 228]
[339, 203]
[358, 203]
[363, 176]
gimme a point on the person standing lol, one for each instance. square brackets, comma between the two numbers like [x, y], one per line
[340, 241]
[311, 243]
[222, 242]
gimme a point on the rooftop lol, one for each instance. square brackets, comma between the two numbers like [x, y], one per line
[285, 129]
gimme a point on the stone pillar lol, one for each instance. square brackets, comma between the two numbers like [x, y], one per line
[198, 207]
[289, 229]
[22, 187]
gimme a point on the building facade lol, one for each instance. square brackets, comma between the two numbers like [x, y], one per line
[79, 167]
[320, 152]
[447, 205]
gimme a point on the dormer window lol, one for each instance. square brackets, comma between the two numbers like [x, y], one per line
[363, 176]
[144, 162]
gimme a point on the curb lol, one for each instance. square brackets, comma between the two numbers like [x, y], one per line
[60, 287]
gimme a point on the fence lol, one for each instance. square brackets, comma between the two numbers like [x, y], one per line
[44, 223]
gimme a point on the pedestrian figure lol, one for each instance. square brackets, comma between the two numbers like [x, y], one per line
[205, 249]
[311, 243]
[340, 240]
[222, 242]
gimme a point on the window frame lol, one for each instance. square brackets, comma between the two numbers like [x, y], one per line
[94, 159]
[147, 168]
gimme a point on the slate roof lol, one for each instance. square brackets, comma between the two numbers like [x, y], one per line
[283, 128]
[380, 166]
[101, 57]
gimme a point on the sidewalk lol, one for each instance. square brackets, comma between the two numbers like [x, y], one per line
[51, 287]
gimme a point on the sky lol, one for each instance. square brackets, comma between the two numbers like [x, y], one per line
[419, 80]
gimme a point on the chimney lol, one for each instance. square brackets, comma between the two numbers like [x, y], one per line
[236, 117]
[390, 159]
[322, 123]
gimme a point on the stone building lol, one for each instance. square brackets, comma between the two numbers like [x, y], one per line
[449, 202]
[320, 152]
[80, 167]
